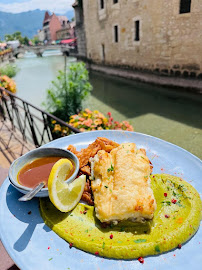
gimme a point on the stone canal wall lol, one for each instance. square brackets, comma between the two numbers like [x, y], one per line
[145, 36]
[6, 57]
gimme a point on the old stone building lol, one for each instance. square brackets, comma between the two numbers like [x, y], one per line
[163, 36]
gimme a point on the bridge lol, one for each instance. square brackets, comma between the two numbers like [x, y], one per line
[40, 49]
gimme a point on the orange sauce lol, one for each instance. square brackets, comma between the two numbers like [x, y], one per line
[38, 171]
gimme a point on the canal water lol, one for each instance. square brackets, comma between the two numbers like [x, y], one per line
[169, 114]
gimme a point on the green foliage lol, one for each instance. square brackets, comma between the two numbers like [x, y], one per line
[35, 40]
[17, 36]
[26, 41]
[9, 70]
[67, 93]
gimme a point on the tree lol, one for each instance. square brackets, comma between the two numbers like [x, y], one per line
[17, 36]
[35, 40]
[67, 93]
[26, 41]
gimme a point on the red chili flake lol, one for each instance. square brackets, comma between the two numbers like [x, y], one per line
[174, 201]
[167, 216]
[70, 245]
[153, 176]
[179, 246]
[84, 212]
[141, 260]
[81, 212]
[29, 213]
[111, 236]
[165, 194]
[48, 247]
[96, 253]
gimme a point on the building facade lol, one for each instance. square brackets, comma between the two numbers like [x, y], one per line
[156, 36]
[80, 30]
[51, 25]
[41, 35]
[67, 31]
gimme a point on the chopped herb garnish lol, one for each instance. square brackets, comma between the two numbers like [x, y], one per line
[110, 190]
[166, 202]
[86, 231]
[50, 259]
[142, 157]
[106, 186]
[119, 242]
[110, 169]
[103, 245]
[145, 176]
[179, 204]
[157, 248]
[127, 151]
[140, 241]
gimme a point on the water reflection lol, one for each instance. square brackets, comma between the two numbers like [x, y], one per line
[134, 99]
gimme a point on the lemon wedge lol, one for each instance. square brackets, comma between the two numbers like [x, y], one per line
[64, 196]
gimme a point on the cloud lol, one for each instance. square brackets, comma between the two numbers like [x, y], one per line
[57, 6]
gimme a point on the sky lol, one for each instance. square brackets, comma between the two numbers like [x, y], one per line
[16, 6]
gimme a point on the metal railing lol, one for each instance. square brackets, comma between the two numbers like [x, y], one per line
[30, 123]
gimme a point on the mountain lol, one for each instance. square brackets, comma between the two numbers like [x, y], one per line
[69, 14]
[26, 22]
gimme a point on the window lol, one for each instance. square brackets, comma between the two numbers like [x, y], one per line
[185, 6]
[102, 5]
[137, 30]
[115, 1]
[116, 34]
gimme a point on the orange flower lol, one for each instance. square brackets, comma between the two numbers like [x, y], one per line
[97, 122]
[82, 129]
[88, 122]
[88, 111]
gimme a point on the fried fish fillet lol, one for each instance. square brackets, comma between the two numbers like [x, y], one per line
[85, 154]
[121, 185]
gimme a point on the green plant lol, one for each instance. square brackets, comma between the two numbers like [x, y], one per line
[8, 70]
[67, 93]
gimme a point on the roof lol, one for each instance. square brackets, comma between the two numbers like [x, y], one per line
[46, 16]
[62, 18]
[75, 4]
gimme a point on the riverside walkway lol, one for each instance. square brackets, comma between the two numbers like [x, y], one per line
[23, 127]
[7, 154]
